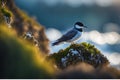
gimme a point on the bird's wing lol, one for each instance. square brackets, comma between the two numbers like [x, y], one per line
[69, 35]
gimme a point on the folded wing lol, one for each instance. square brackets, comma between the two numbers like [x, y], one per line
[69, 35]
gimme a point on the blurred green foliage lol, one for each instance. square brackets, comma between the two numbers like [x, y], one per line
[19, 59]
[6, 12]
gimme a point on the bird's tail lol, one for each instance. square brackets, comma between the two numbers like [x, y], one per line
[55, 43]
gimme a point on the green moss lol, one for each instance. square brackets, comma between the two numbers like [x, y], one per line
[6, 12]
[19, 59]
[90, 48]
[86, 50]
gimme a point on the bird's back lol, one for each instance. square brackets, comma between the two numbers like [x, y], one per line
[68, 36]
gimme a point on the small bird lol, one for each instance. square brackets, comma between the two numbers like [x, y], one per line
[72, 35]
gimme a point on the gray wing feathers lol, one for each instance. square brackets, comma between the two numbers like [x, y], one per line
[69, 35]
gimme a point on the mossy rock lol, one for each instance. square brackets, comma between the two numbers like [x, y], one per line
[22, 23]
[76, 53]
[6, 12]
[19, 59]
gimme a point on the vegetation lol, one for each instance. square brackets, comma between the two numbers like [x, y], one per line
[6, 12]
[76, 53]
[19, 59]
[22, 24]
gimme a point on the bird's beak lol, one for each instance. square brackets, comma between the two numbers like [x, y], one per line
[85, 27]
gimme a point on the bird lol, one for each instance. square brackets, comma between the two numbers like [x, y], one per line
[72, 35]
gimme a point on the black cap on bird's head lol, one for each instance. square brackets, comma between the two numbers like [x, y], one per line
[79, 24]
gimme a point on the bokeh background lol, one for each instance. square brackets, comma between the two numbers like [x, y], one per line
[101, 16]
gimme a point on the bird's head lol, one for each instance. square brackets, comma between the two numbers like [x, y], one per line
[79, 25]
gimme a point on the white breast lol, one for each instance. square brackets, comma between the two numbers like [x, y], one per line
[76, 37]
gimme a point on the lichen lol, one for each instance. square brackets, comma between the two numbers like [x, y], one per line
[76, 53]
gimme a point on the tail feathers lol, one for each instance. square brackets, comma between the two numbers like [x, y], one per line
[55, 43]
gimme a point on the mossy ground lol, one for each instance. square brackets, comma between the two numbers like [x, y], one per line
[85, 53]
[13, 17]
[6, 12]
[19, 59]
